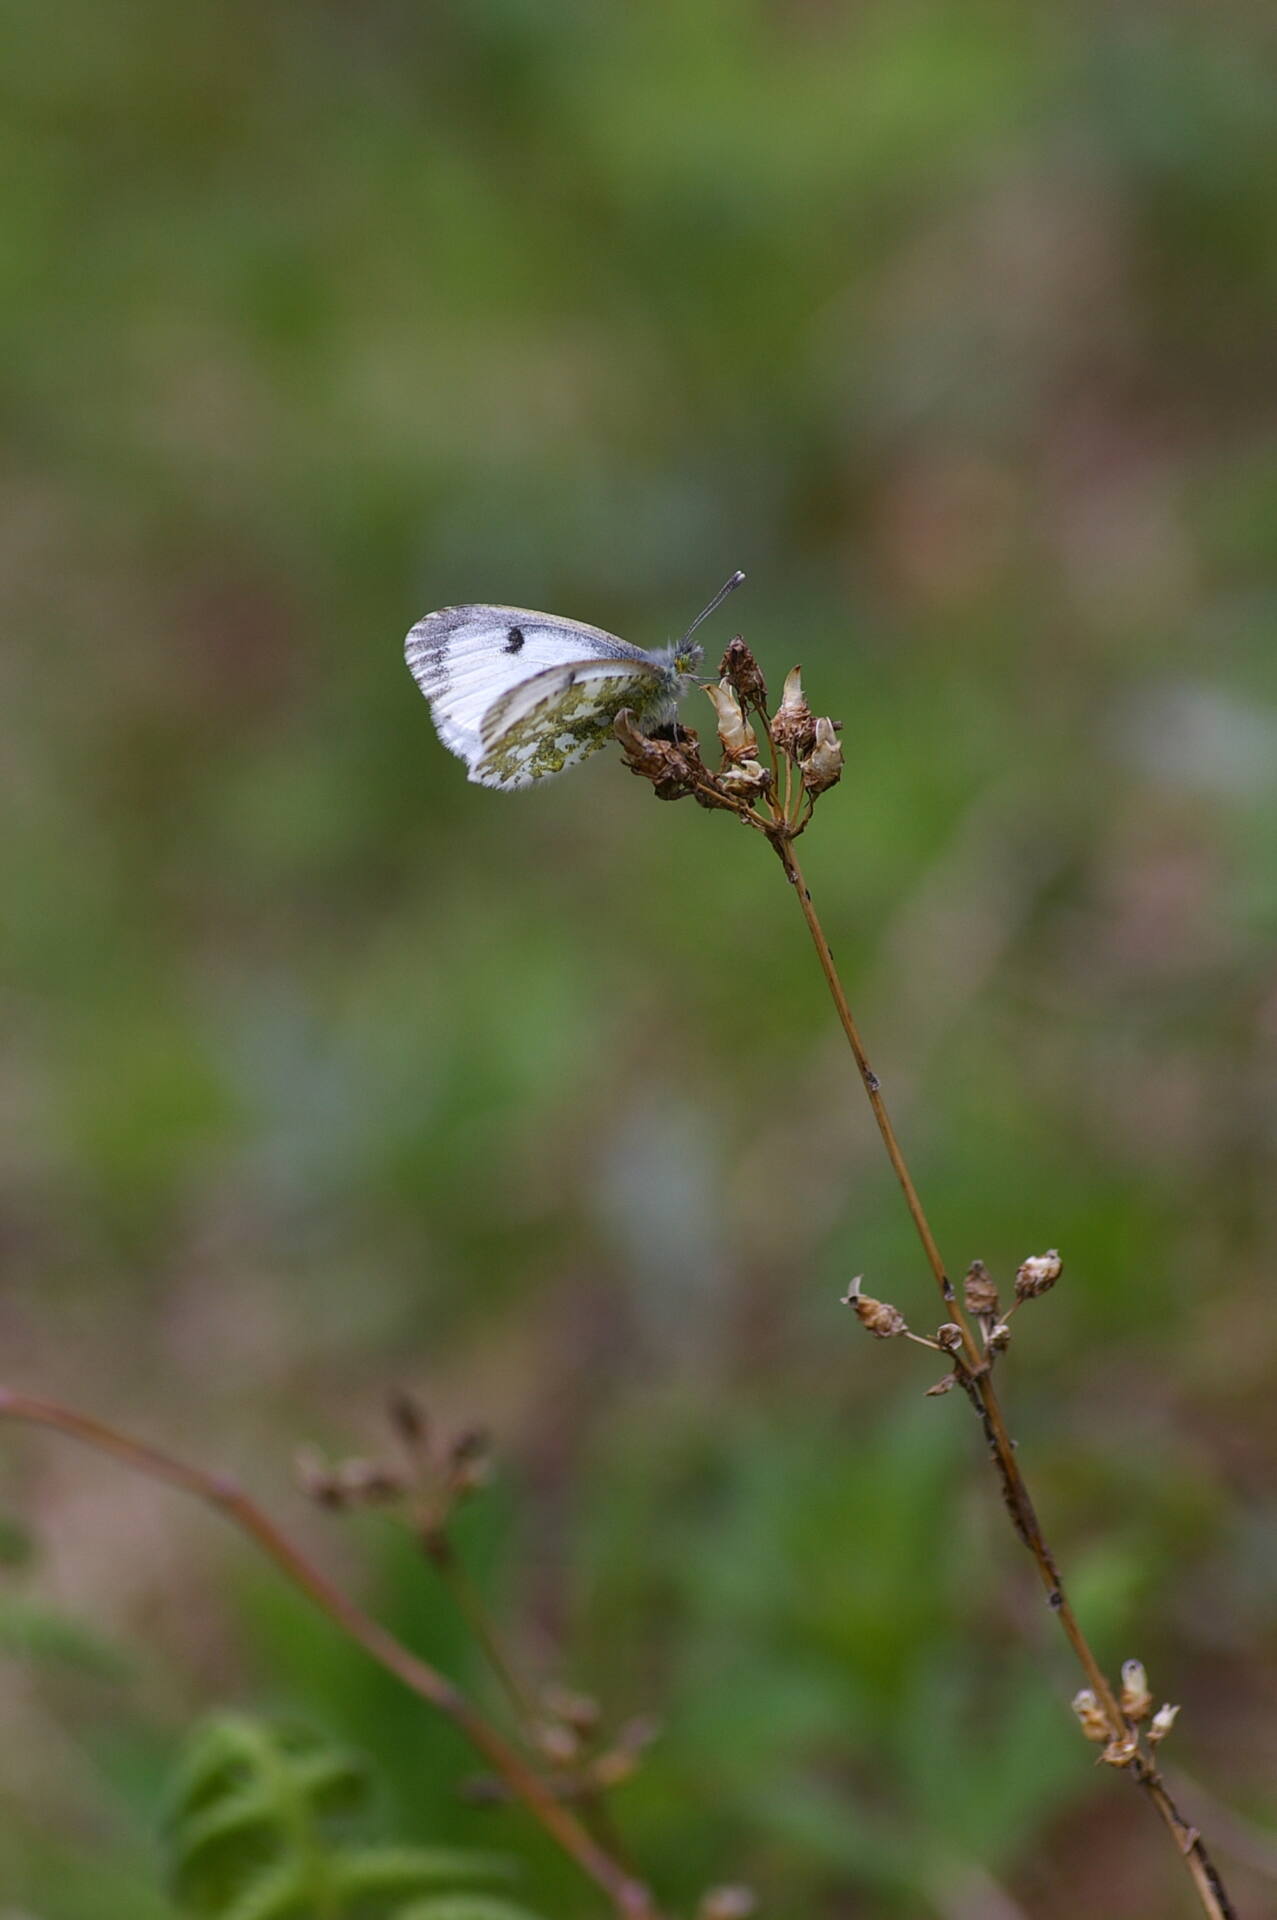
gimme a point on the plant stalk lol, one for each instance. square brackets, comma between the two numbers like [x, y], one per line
[629, 1898]
[975, 1378]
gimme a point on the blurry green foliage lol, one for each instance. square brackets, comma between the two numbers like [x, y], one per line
[260, 1829]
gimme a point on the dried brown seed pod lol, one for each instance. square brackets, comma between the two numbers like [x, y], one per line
[727, 1903]
[1136, 1701]
[793, 727]
[882, 1320]
[978, 1290]
[822, 767]
[577, 1710]
[949, 1337]
[740, 668]
[1161, 1723]
[1038, 1274]
[739, 740]
[1090, 1716]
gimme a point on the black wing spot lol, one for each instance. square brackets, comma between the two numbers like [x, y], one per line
[514, 640]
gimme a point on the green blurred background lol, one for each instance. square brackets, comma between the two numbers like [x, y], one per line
[328, 1072]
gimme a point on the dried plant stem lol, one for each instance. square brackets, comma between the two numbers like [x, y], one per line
[452, 1570]
[629, 1898]
[975, 1378]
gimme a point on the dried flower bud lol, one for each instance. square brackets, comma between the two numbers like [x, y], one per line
[739, 739]
[1161, 1723]
[743, 672]
[727, 1903]
[1090, 1716]
[558, 1743]
[1038, 1274]
[622, 1758]
[793, 728]
[316, 1478]
[671, 769]
[472, 1443]
[577, 1710]
[949, 1337]
[1136, 1699]
[979, 1291]
[367, 1482]
[639, 1732]
[943, 1386]
[1120, 1753]
[613, 1768]
[822, 767]
[746, 780]
[409, 1419]
[882, 1320]
[999, 1338]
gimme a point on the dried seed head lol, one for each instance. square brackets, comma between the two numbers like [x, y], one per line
[316, 1478]
[739, 739]
[943, 1386]
[793, 728]
[1120, 1753]
[472, 1443]
[727, 1903]
[883, 1320]
[745, 781]
[743, 672]
[1161, 1723]
[577, 1710]
[1136, 1700]
[622, 1758]
[365, 1482]
[999, 1338]
[669, 767]
[1090, 1716]
[559, 1743]
[979, 1292]
[1038, 1274]
[949, 1337]
[409, 1419]
[822, 767]
[613, 1768]
[638, 1733]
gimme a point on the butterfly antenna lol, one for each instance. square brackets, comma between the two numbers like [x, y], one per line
[728, 587]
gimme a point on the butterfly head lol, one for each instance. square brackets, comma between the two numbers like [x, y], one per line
[687, 661]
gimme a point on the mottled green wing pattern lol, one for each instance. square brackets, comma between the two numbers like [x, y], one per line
[556, 718]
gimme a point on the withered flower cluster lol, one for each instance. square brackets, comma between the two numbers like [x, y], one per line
[1035, 1276]
[1135, 1703]
[775, 793]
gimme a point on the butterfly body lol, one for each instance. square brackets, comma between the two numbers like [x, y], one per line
[521, 696]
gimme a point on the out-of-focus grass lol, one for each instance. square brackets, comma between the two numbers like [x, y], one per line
[326, 1069]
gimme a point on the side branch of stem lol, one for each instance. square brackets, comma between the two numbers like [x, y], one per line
[629, 1898]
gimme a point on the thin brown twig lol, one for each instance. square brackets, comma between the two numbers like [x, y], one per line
[629, 1898]
[448, 1564]
[974, 1376]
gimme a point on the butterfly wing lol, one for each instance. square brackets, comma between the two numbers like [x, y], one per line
[558, 717]
[520, 695]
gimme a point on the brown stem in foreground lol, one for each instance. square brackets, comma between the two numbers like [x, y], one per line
[629, 1898]
[975, 1378]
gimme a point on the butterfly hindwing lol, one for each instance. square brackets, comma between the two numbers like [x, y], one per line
[550, 722]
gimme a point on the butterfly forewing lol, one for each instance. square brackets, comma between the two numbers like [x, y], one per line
[521, 695]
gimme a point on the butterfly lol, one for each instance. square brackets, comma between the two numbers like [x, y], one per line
[521, 696]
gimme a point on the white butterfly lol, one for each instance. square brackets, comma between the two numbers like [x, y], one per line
[521, 696]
